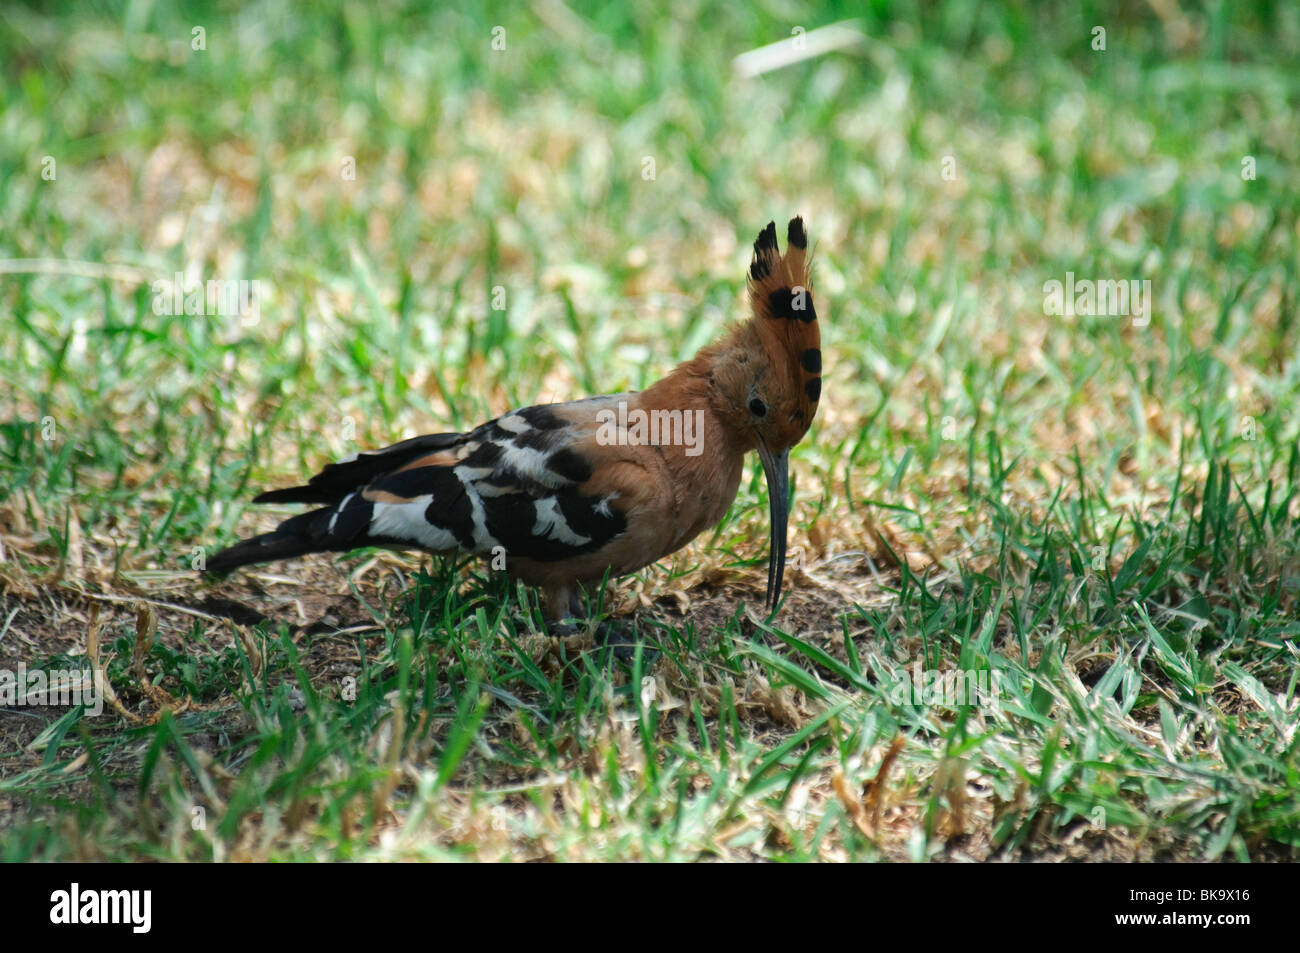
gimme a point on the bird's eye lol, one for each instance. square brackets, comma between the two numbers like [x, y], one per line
[757, 407]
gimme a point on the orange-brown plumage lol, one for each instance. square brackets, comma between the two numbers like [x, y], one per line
[571, 492]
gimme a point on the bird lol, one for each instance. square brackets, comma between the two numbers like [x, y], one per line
[564, 495]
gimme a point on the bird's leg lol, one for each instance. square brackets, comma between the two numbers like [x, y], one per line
[561, 610]
[563, 613]
[620, 639]
[577, 614]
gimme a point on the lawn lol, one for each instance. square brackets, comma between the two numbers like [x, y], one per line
[1085, 505]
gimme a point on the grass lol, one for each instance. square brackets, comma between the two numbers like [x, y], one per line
[1097, 514]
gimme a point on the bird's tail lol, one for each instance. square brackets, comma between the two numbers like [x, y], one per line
[342, 525]
[311, 532]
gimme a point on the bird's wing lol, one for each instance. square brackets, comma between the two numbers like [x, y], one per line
[339, 479]
[525, 484]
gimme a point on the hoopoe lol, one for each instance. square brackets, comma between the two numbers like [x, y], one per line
[572, 491]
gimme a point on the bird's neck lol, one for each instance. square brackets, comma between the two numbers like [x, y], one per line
[707, 463]
[693, 388]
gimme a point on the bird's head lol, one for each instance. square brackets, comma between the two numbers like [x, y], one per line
[770, 376]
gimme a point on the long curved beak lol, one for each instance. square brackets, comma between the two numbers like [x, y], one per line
[776, 467]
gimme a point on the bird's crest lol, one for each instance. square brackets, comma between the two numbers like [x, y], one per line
[781, 297]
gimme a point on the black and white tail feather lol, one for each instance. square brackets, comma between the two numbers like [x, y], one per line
[326, 529]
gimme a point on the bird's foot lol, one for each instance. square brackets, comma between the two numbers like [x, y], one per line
[619, 639]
